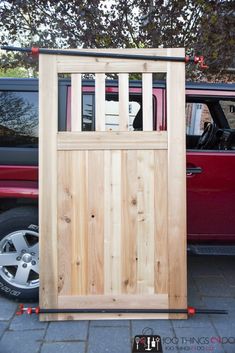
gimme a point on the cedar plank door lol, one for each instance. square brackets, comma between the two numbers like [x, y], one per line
[112, 203]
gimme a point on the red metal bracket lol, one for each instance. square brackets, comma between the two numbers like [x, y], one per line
[35, 51]
[20, 309]
[191, 311]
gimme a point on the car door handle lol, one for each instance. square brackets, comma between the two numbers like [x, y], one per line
[194, 170]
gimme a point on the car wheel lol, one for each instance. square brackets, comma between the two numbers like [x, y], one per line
[19, 254]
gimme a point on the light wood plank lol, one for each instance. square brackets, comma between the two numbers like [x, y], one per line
[137, 51]
[111, 301]
[121, 316]
[176, 185]
[48, 127]
[124, 67]
[123, 86]
[161, 234]
[119, 301]
[80, 257]
[100, 102]
[112, 140]
[72, 225]
[95, 218]
[147, 83]
[112, 225]
[76, 102]
[145, 222]
[129, 225]
[65, 221]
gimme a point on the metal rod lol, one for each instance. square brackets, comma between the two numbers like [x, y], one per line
[97, 54]
[191, 311]
[130, 311]
[113, 311]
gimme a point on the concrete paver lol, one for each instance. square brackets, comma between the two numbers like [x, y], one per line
[21, 341]
[109, 339]
[63, 347]
[27, 322]
[67, 331]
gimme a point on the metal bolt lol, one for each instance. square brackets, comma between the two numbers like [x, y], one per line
[18, 258]
[23, 251]
[33, 262]
[32, 253]
[24, 265]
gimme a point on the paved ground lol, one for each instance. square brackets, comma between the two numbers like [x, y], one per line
[211, 284]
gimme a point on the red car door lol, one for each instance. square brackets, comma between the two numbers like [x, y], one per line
[210, 177]
[211, 196]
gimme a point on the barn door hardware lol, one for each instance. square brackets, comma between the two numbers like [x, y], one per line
[199, 60]
[190, 311]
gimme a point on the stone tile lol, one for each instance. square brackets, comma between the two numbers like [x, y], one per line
[27, 322]
[110, 323]
[198, 339]
[229, 276]
[224, 324]
[195, 321]
[194, 296]
[109, 339]
[21, 341]
[213, 286]
[67, 331]
[7, 309]
[4, 300]
[139, 326]
[3, 327]
[63, 347]
[232, 289]
[219, 303]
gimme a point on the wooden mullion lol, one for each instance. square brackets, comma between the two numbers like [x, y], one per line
[76, 102]
[100, 102]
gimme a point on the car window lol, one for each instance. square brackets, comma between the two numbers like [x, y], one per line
[228, 107]
[88, 112]
[197, 116]
[18, 119]
[111, 112]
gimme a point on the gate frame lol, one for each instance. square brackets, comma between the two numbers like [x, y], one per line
[49, 68]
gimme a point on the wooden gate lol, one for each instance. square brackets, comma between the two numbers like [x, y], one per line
[112, 203]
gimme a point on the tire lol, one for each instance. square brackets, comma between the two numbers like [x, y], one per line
[19, 254]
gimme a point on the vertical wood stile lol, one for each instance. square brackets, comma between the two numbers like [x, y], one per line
[76, 102]
[100, 102]
[147, 94]
[123, 91]
[161, 222]
[176, 184]
[112, 225]
[48, 127]
[65, 222]
[145, 222]
[79, 241]
[95, 218]
[129, 225]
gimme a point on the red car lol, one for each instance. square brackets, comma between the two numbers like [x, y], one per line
[210, 140]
